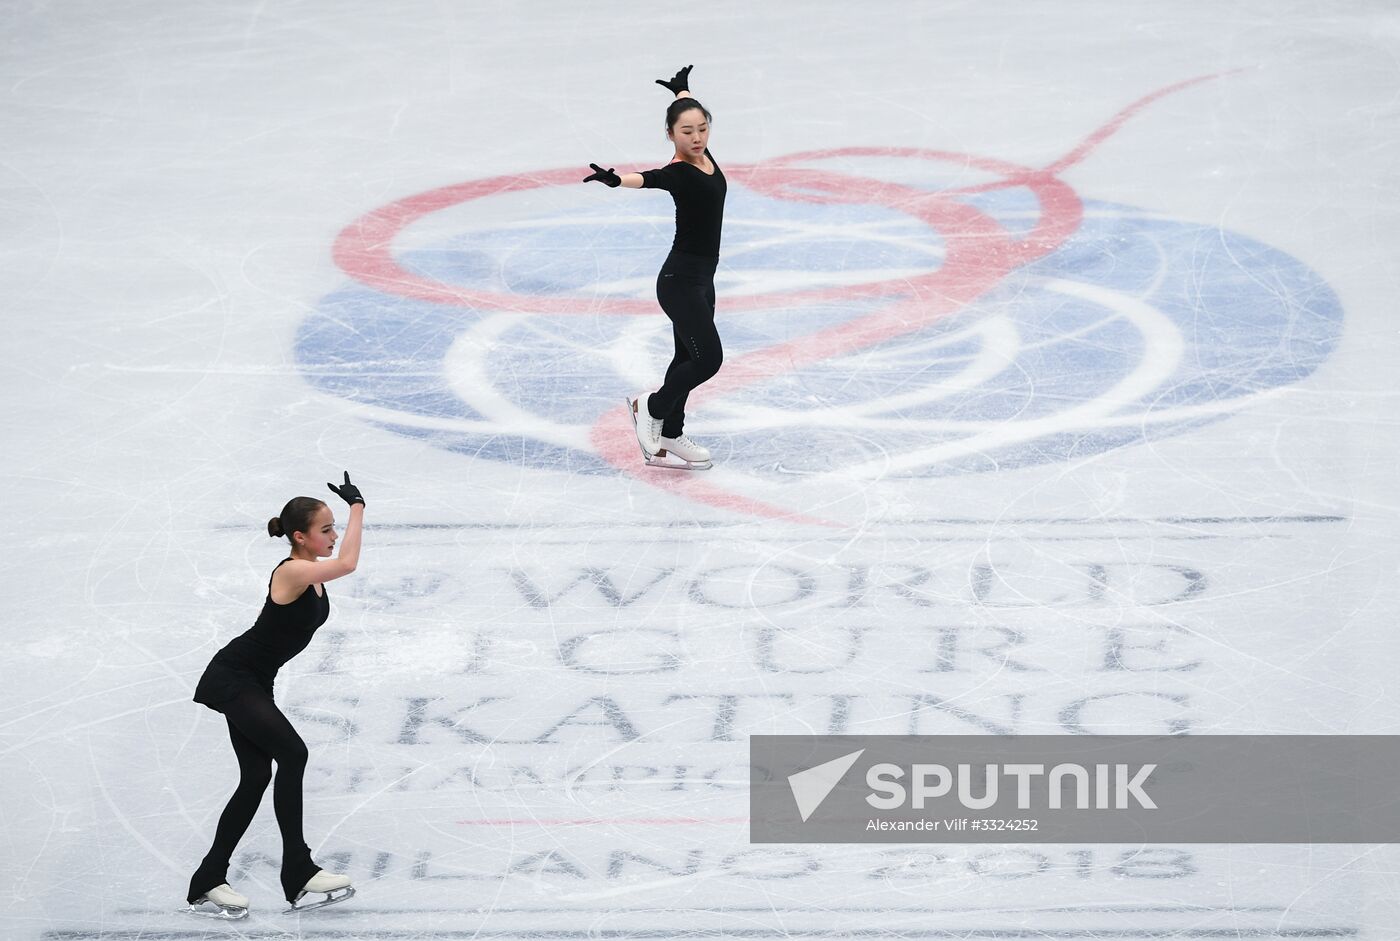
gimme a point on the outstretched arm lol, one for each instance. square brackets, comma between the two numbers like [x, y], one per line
[609, 177]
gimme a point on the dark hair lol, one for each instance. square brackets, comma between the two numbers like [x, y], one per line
[679, 107]
[295, 517]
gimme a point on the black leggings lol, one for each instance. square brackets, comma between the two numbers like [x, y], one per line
[686, 289]
[261, 735]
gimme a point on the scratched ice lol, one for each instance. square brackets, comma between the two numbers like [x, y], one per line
[1059, 397]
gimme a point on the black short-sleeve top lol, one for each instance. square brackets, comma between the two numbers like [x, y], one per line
[699, 200]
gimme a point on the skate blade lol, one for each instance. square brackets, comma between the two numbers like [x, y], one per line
[207, 909]
[665, 461]
[330, 899]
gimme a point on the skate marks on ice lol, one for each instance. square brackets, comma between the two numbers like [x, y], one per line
[889, 313]
[542, 732]
[1106, 922]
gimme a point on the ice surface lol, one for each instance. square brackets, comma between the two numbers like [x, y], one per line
[1059, 397]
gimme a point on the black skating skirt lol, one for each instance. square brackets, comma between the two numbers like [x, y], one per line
[222, 682]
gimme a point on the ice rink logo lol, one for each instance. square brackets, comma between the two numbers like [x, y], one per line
[886, 313]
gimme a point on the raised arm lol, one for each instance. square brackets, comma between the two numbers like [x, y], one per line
[292, 577]
[678, 83]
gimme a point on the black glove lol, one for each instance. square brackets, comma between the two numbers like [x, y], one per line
[603, 176]
[347, 491]
[679, 82]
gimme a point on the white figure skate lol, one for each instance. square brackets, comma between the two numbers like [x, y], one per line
[220, 902]
[681, 453]
[333, 885]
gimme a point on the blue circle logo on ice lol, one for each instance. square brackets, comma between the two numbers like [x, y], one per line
[1128, 327]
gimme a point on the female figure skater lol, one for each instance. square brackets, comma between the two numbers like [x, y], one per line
[238, 683]
[686, 285]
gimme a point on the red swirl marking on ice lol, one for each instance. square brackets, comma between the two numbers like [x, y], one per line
[1122, 117]
[980, 252]
[364, 249]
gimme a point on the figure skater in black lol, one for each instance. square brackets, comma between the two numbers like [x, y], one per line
[686, 285]
[238, 683]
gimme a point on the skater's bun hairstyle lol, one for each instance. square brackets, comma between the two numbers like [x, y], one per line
[295, 517]
[679, 107]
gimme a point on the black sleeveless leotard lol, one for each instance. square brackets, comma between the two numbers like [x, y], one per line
[251, 660]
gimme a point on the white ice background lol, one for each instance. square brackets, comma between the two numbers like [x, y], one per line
[528, 712]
